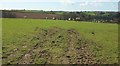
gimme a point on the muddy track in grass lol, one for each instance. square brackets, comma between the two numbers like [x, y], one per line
[38, 51]
[57, 46]
[77, 54]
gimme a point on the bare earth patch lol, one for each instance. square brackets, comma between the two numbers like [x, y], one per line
[52, 46]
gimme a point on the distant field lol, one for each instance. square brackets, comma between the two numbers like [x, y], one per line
[25, 35]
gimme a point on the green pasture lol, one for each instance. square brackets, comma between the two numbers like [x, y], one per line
[105, 34]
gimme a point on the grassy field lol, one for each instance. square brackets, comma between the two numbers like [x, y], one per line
[102, 37]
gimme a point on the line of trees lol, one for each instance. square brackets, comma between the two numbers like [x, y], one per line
[8, 14]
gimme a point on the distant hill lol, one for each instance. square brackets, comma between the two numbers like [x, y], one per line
[95, 16]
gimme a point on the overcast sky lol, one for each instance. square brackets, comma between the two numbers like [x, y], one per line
[61, 5]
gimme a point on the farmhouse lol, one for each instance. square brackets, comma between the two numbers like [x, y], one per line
[24, 16]
[53, 18]
[69, 19]
[77, 18]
